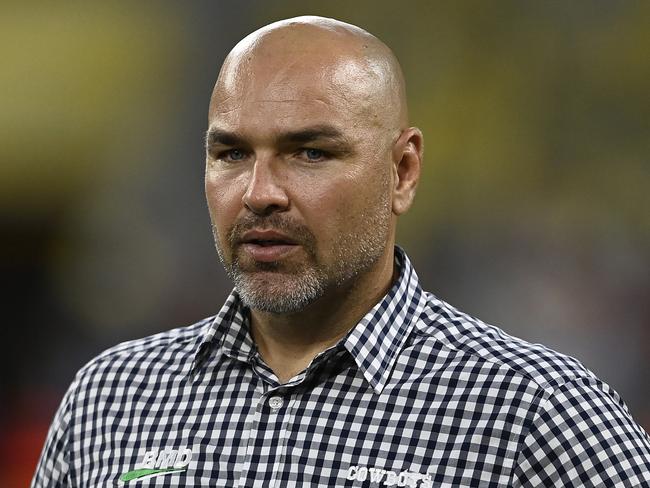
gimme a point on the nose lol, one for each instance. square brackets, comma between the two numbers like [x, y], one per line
[265, 194]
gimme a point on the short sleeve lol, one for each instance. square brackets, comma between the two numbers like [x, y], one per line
[583, 436]
[52, 470]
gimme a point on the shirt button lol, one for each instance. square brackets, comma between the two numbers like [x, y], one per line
[276, 402]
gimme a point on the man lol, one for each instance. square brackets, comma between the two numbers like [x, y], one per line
[328, 365]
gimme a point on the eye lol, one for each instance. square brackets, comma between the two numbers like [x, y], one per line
[314, 154]
[232, 155]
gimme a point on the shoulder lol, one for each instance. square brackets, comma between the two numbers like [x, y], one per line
[470, 339]
[571, 415]
[171, 350]
[126, 367]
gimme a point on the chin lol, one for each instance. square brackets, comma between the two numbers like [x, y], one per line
[279, 293]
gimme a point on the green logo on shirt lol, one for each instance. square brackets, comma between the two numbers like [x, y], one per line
[148, 473]
[159, 462]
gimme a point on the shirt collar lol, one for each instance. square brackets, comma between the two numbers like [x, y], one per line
[374, 342]
[382, 333]
[229, 331]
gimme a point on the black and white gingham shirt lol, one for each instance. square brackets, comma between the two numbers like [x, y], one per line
[418, 394]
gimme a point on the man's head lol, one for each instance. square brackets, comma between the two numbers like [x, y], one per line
[309, 160]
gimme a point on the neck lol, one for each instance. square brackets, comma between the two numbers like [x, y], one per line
[289, 342]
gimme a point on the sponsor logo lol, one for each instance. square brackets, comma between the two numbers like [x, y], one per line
[159, 462]
[386, 477]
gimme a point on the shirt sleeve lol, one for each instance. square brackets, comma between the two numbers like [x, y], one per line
[53, 466]
[583, 436]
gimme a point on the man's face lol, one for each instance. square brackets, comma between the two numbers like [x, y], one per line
[298, 178]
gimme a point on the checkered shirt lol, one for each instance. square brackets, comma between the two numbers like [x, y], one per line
[417, 394]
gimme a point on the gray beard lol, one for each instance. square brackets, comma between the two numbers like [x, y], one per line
[265, 296]
[287, 290]
[293, 291]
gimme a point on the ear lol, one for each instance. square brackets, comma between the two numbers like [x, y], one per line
[407, 159]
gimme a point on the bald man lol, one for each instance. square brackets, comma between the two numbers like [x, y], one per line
[328, 365]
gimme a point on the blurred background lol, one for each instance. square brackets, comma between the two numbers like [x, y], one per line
[532, 212]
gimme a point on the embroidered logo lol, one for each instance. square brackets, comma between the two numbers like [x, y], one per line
[159, 462]
[389, 478]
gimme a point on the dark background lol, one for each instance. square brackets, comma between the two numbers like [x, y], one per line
[532, 212]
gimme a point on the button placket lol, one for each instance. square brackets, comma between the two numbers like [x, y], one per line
[288, 419]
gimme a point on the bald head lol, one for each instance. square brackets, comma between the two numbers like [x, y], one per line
[308, 137]
[290, 54]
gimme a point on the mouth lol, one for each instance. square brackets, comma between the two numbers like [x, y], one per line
[267, 245]
[267, 238]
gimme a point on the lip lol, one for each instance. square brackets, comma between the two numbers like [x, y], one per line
[266, 235]
[276, 245]
[268, 254]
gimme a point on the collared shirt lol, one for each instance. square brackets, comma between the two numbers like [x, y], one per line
[417, 394]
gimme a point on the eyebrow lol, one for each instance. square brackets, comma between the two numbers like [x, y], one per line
[225, 138]
[302, 136]
[311, 134]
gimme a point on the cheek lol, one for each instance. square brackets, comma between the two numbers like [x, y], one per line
[353, 205]
[331, 208]
[224, 199]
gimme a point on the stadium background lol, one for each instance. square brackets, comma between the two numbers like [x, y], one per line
[532, 211]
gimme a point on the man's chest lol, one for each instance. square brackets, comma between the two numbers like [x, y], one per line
[338, 433]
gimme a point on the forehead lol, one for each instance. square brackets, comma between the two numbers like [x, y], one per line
[293, 87]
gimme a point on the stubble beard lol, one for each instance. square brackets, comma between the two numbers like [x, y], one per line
[287, 288]
[266, 286]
